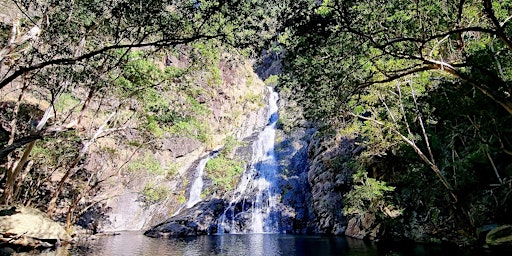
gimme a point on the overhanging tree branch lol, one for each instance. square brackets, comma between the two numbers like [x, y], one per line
[499, 28]
[73, 60]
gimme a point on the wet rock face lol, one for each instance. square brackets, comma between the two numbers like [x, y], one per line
[198, 220]
[296, 214]
[28, 227]
[329, 176]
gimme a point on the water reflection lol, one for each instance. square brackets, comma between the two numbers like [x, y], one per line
[134, 243]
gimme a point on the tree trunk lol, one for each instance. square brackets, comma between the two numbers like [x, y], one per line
[14, 171]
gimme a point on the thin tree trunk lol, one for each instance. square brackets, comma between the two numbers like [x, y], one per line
[13, 173]
[91, 93]
[420, 153]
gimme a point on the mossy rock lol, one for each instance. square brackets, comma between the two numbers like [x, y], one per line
[500, 236]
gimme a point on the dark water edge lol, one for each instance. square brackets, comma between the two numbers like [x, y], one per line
[135, 243]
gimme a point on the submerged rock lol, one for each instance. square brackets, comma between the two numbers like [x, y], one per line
[28, 227]
[500, 236]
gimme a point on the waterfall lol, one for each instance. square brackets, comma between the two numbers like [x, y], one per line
[257, 185]
[264, 164]
[197, 186]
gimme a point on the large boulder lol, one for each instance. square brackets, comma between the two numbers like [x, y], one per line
[28, 227]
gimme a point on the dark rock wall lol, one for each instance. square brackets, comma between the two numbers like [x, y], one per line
[329, 176]
[291, 153]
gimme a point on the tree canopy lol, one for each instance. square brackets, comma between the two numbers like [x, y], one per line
[425, 82]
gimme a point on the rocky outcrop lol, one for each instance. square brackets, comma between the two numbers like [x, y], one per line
[198, 220]
[27, 227]
[363, 227]
[179, 146]
[235, 109]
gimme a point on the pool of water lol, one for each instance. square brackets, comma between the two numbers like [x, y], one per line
[134, 243]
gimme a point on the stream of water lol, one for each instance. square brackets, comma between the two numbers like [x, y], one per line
[197, 185]
[265, 166]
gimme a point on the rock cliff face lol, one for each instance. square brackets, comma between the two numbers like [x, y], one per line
[292, 153]
[147, 178]
[291, 213]
[329, 176]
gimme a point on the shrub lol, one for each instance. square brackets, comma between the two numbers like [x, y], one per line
[230, 143]
[66, 102]
[272, 80]
[368, 195]
[148, 163]
[224, 172]
[153, 193]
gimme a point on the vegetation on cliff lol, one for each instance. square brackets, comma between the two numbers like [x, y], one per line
[99, 91]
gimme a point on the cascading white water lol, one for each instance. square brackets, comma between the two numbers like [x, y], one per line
[197, 185]
[260, 176]
[264, 163]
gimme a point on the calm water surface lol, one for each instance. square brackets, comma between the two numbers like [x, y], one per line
[134, 243]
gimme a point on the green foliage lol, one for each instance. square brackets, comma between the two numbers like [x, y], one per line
[324, 9]
[335, 49]
[285, 122]
[172, 170]
[147, 163]
[57, 152]
[141, 77]
[154, 193]
[66, 102]
[368, 195]
[192, 128]
[272, 80]
[153, 127]
[254, 98]
[230, 144]
[250, 81]
[182, 198]
[224, 172]
[206, 55]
